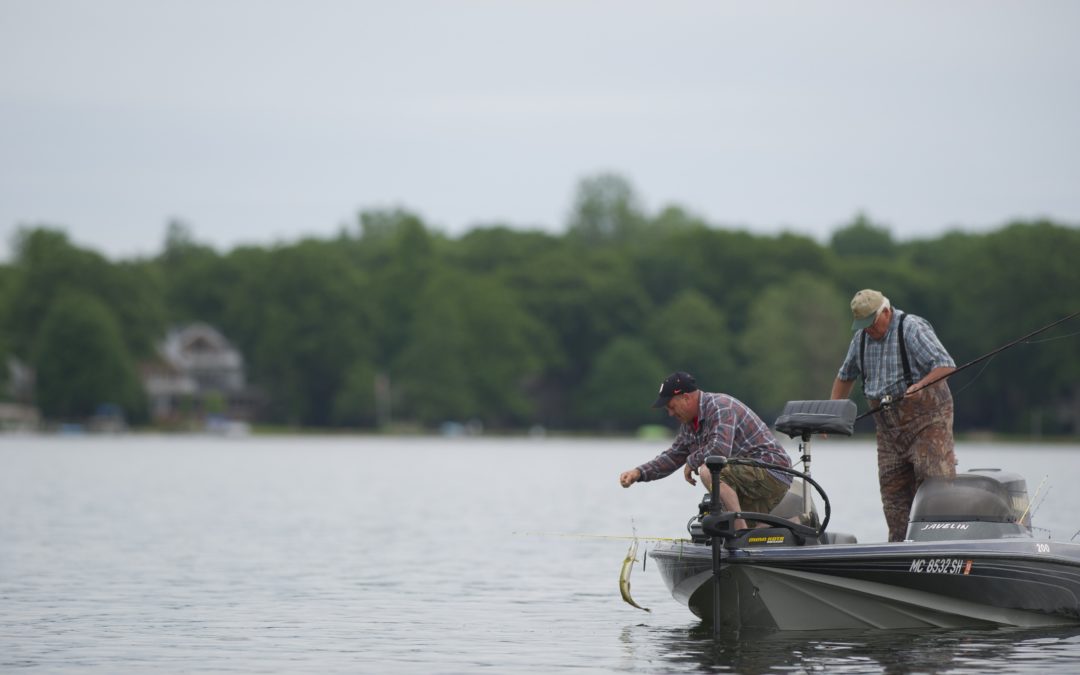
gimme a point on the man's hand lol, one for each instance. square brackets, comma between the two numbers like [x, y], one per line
[934, 376]
[628, 478]
[688, 474]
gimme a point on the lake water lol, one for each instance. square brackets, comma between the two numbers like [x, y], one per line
[357, 554]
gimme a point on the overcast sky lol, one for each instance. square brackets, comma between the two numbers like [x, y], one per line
[261, 121]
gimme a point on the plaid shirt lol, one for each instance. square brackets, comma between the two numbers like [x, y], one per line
[884, 370]
[724, 426]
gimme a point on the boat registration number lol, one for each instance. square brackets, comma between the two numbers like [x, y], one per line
[940, 566]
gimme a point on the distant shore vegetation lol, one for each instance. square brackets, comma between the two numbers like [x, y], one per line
[392, 325]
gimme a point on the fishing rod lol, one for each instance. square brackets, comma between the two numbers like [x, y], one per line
[887, 400]
[626, 537]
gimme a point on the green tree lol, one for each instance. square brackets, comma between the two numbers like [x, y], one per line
[473, 352]
[621, 386]
[48, 265]
[6, 282]
[399, 254]
[500, 249]
[673, 218]
[196, 280]
[135, 293]
[1005, 284]
[81, 360]
[863, 238]
[355, 404]
[690, 334]
[606, 208]
[796, 337]
[589, 297]
[302, 314]
[728, 267]
[431, 373]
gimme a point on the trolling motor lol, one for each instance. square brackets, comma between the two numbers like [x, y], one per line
[719, 524]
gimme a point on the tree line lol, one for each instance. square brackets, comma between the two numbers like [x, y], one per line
[573, 331]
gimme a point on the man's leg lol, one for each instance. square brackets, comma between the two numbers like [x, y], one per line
[923, 440]
[728, 497]
[896, 479]
[758, 490]
[934, 452]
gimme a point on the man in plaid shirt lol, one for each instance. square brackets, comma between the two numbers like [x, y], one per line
[717, 424]
[901, 362]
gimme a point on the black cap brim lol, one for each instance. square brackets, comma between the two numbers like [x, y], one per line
[662, 401]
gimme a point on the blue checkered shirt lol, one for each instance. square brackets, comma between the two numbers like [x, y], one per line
[884, 370]
[725, 426]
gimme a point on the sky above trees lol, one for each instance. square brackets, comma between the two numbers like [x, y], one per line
[255, 122]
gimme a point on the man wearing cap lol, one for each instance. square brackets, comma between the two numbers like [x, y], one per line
[717, 424]
[901, 361]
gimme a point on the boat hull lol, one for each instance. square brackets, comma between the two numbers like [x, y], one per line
[880, 586]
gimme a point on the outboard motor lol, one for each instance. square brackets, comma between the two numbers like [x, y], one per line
[979, 504]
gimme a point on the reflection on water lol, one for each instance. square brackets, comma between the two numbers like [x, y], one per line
[968, 651]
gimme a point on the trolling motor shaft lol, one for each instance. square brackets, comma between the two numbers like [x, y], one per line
[721, 526]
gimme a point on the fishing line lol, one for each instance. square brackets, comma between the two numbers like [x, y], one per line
[990, 360]
[1051, 339]
[986, 365]
[1036, 507]
[977, 375]
[973, 379]
[622, 537]
[1035, 496]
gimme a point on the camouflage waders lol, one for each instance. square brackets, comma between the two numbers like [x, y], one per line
[915, 442]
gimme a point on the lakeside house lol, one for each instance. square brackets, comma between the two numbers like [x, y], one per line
[197, 377]
[17, 409]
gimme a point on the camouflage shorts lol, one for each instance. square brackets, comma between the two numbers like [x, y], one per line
[915, 442]
[758, 490]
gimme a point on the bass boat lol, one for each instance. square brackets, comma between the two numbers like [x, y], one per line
[970, 557]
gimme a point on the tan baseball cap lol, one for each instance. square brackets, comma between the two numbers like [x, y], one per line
[865, 306]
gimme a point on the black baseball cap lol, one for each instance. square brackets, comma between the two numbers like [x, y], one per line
[675, 384]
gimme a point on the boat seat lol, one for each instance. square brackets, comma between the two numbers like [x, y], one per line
[803, 418]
